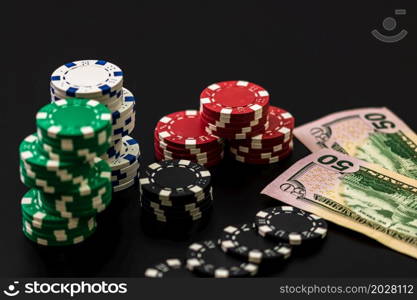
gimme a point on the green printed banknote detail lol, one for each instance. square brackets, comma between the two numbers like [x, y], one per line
[374, 135]
[355, 194]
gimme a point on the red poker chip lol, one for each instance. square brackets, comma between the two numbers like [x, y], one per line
[229, 119]
[261, 161]
[176, 155]
[183, 129]
[241, 100]
[281, 125]
[231, 131]
[261, 155]
[245, 149]
[207, 164]
[200, 149]
[237, 136]
[234, 125]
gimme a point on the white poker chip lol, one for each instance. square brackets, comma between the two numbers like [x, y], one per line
[87, 78]
[124, 186]
[128, 106]
[129, 155]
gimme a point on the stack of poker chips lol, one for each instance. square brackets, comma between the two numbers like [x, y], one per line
[69, 183]
[176, 191]
[239, 111]
[103, 81]
[180, 135]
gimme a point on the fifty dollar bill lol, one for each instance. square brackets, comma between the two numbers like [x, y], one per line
[374, 135]
[355, 194]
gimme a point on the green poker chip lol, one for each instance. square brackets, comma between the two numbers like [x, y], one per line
[31, 155]
[101, 178]
[41, 240]
[73, 118]
[32, 210]
[59, 233]
[75, 146]
[70, 207]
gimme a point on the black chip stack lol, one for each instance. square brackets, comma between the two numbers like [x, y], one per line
[176, 191]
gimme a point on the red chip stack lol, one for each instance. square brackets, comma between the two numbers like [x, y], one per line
[240, 112]
[181, 135]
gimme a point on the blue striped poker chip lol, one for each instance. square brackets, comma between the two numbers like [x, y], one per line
[87, 79]
[129, 154]
[127, 170]
[128, 106]
[123, 181]
[112, 152]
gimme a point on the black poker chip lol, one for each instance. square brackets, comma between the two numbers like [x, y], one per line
[207, 260]
[173, 179]
[165, 218]
[170, 268]
[177, 213]
[290, 225]
[244, 242]
[176, 208]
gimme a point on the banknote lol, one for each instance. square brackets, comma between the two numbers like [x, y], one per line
[375, 135]
[355, 194]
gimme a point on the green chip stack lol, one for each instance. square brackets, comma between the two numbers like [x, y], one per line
[69, 183]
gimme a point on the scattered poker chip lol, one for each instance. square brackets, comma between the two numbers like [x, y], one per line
[262, 161]
[207, 260]
[290, 225]
[175, 179]
[244, 242]
[241, 100]
[183, 129]
[170, 268]
[87, 78]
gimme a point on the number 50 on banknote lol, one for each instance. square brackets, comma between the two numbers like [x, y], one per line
[355, 194]
[375, 135]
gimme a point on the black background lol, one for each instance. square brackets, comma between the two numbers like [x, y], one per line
[314, 57]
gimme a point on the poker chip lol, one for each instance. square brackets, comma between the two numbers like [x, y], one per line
[77, 121]
[237, 135]
[49, 230]
[262, 161]
[175, 179]
[270, 146]
[176, 191]
[234, 100]
[207, 260]
[88, 79]
[183, 129]
[244, 242]
[170, 268]
[281, 125]
[234, 125]
[290, 225]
